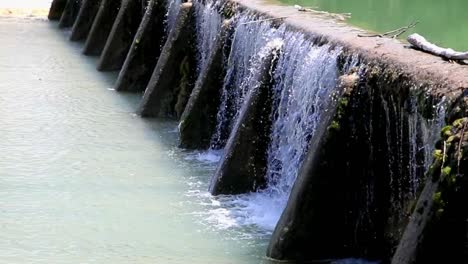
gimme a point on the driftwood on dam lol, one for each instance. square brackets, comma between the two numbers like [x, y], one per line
[421, 43]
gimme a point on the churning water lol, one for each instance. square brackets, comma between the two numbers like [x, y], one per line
[84, 180]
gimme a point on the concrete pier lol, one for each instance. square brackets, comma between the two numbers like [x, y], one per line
[101, 27]
[70, 13]
[84, 20]
[145, 50]
[313, 236]
[198, 120]
[121, 36]
[56, 9]
[163, 91]
[243, 166]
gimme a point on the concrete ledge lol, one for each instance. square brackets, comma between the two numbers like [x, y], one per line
[449, 77]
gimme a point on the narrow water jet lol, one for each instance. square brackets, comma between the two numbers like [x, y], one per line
[172, 76]
[84, 20]
[121, 35]
[244, 161]
[101, 27]
[145, 50]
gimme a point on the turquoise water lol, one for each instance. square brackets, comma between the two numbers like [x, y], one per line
[84, 180]
[442, 22]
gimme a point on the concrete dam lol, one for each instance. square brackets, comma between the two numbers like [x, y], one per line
[350, 147]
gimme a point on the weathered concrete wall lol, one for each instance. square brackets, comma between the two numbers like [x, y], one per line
[169, 87]
[101, 27]
[120, 38]
[84, 21]
[145, 50]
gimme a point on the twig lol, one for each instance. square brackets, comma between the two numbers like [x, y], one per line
[342, 16]
[392, 33]
[263, 20]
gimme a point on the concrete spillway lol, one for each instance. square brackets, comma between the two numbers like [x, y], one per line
[348, 146]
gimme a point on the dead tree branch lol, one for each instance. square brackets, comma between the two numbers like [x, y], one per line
[392, 33]
[421, 43]
[341, 16]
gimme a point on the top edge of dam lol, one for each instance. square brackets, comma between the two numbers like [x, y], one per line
[449, 78]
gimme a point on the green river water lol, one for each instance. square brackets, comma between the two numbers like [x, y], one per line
[442, 22]
[84, 180]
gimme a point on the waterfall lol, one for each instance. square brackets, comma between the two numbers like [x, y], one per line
[248, 40]
[172, 7]
[305, 77]
[305, 74]
[410, 140]
[208, 24]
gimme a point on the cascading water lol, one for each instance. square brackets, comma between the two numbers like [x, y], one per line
[173, 7]
[408, 162]
[305, 74]
[208, 25]
[249, 38]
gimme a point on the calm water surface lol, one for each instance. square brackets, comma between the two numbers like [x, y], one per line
[84, 180]
[444, 22]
